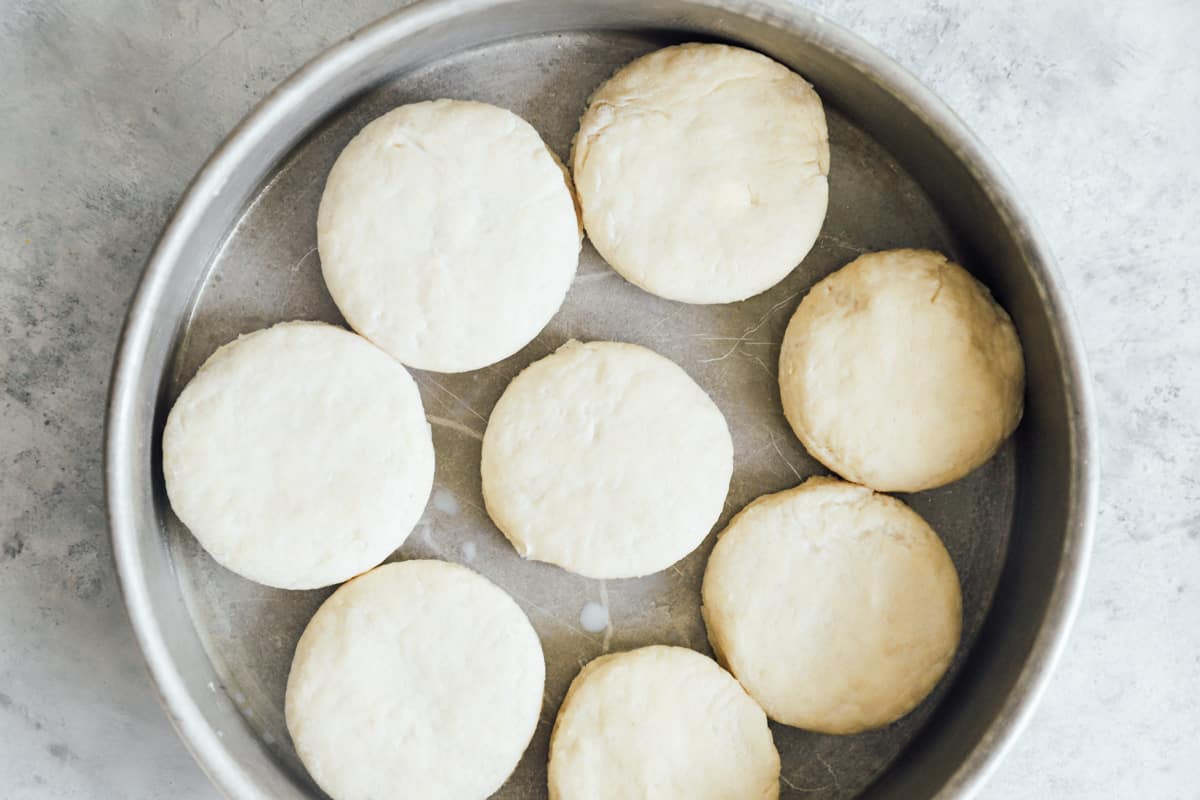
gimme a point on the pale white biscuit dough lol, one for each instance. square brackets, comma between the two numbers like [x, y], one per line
[660, 723]
[900, 372]
[701, 172]
[606, 459]
[299, 456]
[420, 679]
[448, 234]
[837, 608]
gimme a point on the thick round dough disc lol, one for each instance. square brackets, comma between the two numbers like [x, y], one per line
[837, 608]
[660, 722]
[701, 172]
[299, 456]
[419, 679]
[900, 372]
[606, 459]
[448, 234]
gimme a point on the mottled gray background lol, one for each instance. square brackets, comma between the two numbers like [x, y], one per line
[107, 108]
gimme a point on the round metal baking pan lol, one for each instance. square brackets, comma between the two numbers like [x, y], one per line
[239, 254]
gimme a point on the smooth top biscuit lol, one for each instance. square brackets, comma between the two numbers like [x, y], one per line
[701, 172]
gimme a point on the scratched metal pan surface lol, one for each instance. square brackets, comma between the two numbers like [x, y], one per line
[240, 254]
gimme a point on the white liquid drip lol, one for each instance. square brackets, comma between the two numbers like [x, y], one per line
[445, 502]
[593, 618]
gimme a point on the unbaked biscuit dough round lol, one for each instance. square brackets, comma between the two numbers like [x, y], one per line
[660, 722]
[299, 455]
[700, 170]
[420, 679]
[448, 234]
[606, 459]
[900, 372]
[837, 608]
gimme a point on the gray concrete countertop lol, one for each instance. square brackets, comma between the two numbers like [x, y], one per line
[110, 106]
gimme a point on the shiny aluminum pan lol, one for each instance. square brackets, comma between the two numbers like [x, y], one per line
[905, 172]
